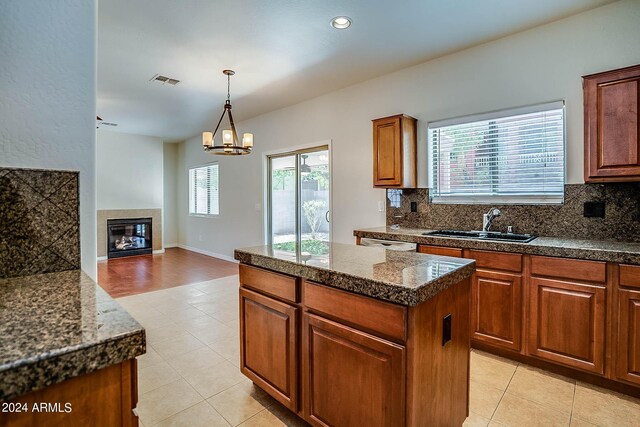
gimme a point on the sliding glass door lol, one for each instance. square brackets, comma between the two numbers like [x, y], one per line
[298, 199]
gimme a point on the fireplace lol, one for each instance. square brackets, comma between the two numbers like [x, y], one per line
[128, 237]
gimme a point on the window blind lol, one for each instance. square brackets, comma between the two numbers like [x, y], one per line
[204, 190]
[514, 156]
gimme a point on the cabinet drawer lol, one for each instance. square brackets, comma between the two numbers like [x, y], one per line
[382, 318]
[630, 276]
[270, 283]
[590, 271]
[440, 250]
[496, 260]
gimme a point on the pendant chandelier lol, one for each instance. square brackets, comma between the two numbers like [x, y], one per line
[230, 145]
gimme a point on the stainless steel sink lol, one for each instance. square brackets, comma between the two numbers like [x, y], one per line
[483, 235]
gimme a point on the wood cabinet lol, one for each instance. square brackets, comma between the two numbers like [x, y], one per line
[353, 378]
[567, 312]
[440, 250]
[103, 398]
[496, 307]
[268, 346]
[611, 119]
[566, 323]
[496, 299]
[627, 350]
[394, 152]
[341, 359]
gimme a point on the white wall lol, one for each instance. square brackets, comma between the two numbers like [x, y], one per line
[170, 209]
[535, 66]
[48, 96]
[129, 171]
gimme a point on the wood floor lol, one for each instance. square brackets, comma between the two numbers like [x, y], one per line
[176, 267]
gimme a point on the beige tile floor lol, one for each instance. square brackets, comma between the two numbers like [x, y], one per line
[190, 376]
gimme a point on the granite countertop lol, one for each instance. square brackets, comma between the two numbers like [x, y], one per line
[406, 278]
[596, 250]
[58, 326]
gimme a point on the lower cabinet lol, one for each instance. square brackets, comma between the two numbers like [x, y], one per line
[268, 353]
[103, 398]
[567, 323]
[352, 378]
[339, 359]
[496, 308]
[627, 355]
[628, 350]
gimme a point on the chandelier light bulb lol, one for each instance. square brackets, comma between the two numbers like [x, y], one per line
[247, 140]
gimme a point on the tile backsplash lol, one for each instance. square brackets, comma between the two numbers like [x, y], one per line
[39, 222]
[621, 221]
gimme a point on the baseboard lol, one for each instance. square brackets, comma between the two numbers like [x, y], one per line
[159, 251]
[102, 258]
[170, 245]
[211, 254]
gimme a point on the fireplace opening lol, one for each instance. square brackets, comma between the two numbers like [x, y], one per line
[128, 237]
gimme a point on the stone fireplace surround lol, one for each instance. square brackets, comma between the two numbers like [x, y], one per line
[105, 214]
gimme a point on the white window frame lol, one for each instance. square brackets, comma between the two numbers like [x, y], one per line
[491, 198]
[190, 190]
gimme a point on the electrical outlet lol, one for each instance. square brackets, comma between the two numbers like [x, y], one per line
[594, 209]
[257, 207]
[380, 206]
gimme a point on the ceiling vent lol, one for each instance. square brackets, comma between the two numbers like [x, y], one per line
[164, 80]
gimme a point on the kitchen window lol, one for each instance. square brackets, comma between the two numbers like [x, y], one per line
[204, 191]
[509, 157]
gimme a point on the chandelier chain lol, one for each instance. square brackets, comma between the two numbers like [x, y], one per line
[228, 87]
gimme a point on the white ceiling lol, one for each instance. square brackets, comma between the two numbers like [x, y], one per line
[284, 51]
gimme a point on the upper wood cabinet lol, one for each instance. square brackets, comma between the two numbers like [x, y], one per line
[612, 144]
[394, 152]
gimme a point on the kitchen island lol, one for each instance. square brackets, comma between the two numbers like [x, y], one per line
[67, 353]
[356, 336]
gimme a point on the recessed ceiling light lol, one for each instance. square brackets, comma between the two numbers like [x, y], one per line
[341, 22]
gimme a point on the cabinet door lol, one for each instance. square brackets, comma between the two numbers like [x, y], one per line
[566, 323]
[611, 126]
[496, 307]
[268, 346]
[628, 348]
[351, 378]
[387, 152]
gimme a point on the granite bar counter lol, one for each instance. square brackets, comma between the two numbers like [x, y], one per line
[57, 326]
[595, 250]
[407, 278]
[318, 331]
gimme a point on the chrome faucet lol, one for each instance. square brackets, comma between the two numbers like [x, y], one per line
[487, 219]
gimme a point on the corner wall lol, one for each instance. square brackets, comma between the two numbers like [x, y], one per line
[48, 97]
[130, 183]
[170, 209]
[539, 65]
